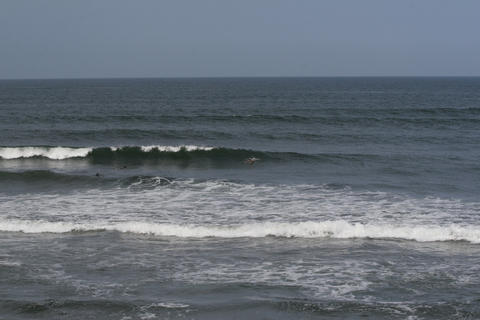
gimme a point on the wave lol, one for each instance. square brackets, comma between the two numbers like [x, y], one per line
[154, 152]
[339, 229]
[186, 155]
[62, 153]
[56, 153]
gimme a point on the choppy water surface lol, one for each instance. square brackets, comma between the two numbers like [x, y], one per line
[131, 199]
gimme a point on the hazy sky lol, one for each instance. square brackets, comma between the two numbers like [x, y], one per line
[161, 38]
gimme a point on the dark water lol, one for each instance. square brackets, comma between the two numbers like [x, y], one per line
[131, 199]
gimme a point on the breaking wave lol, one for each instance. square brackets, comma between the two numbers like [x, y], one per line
[168, 153]
[55, 153]
[339, 229]
[61, 153]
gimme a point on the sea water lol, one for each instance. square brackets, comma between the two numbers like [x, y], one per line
[132, 199]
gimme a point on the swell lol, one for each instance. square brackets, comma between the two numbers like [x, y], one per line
[159, 153]
[323, 115]
[337, 229]
[201, 156]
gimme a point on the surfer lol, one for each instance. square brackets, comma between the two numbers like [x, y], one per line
[251, 160]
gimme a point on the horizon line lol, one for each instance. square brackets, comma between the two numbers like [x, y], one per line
[238, 77]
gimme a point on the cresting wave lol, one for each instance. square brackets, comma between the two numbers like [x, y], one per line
[148, 153]
[55, 153]
[61, 153]
[185, 153]
[339, 229]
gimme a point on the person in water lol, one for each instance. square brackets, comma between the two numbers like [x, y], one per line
[251, 160]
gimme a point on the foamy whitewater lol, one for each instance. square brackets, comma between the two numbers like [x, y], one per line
[284, 211]
[61, 153]
[309, 229]
[56, 153]
[137, 199]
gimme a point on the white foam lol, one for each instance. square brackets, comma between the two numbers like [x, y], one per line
[175, 148]
[55, 153]
[309, 229]
[61, 153]
[147, 316]
[168, 305]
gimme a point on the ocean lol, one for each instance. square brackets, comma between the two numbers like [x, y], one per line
[132, 198]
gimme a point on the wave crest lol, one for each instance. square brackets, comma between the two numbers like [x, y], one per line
[62, 153]
[182, 153]
[54, 153]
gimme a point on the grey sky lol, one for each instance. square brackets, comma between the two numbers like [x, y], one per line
[115, 38]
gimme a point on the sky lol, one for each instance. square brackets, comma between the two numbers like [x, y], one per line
[227, 38]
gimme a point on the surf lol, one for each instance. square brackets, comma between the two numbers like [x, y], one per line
[167, 152]
[336, 229]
